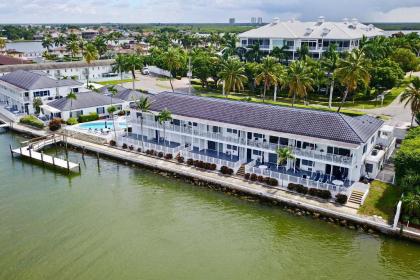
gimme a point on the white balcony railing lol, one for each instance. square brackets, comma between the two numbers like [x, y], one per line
[149, 146]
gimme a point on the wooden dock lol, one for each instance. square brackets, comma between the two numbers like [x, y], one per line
[32, 151]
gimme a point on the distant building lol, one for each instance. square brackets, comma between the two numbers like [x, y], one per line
[318, 35]
[89, 34]
[9, 60]
[253, 20]
[260, 20]
[232, 21]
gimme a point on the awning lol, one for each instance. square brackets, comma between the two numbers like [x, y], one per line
[49, 109]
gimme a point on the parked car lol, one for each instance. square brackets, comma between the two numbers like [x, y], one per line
[145, 71]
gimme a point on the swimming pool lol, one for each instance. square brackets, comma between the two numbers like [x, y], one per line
[102, 125]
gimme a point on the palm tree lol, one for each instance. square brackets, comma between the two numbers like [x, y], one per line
[60, 41]
[232, 75]
[133, 62]
[37, 103]
[350, 71]
[173, 62]
[411, 96]
[143, 105]
[267, 73]
[2, 43]
[113, 91]
[280, 53]
[299, 80]
[120, 65]
[111, 110]
[91, 53]
[164, 116]
[73, 47]
[303, 52]
[281, 75]
[412, 203]
[330, 63]
[47, 42]
[71, 96]
[283, 154]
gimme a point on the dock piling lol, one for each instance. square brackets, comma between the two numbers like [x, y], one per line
[11, 150]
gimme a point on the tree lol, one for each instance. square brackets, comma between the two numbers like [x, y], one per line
[330, 63]
[73, 47]
[60, 41]
[100, 44]
[406, 59]
[299, 80]
[267, 71]
[113, 91]
[143, 105]
[232, 75]
[120, 65]
[385, 73]
[303, 52]
[284, 154]
[111, 110]
[2, 43]
[377, 48]
[164, 116]
[37, 103]
[281, 75]
[411, 96]
[133, 62]
[173, 61]
[91, 53]
[47, 42]
[71, 96]
[254, 53]
[280, 53]
[351, 71]
[201, 63]
[411, 202]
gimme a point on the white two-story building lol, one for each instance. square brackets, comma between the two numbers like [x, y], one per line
[327, 147]
[318, 35]
[19, 89]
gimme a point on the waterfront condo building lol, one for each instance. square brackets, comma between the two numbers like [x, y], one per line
[318, 35]
[327, 147]
[20, 88]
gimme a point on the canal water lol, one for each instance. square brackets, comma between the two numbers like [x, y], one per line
[120, 222]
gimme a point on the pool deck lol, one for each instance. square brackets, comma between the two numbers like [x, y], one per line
[236, 183]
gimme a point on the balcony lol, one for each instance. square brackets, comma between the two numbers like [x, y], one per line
[138, 141]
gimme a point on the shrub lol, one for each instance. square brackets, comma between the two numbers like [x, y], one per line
[32, 121]
[247, 175]
[260, 179]
[213, 166]
[160, 154]
[266, 180]
[131, 147]
[112, 143]
[124, 146]
[313, 192]
[341, 198]
[291, 186]
[325, 194]
[226, 170]
[273, 182]
[54, 124]
[72, 121]
[88, 118]
[168, 156]
[180, 159]
[298, 188]
[139, 150]
[253, 177]
[190, 161]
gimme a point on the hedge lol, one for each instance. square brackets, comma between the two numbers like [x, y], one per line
[72, 121]
[88, 118]
[32, 121]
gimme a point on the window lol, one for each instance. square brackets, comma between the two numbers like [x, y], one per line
[100, 110]
[364, 148]
[75, 90]
[255, 152]
[229, 147]
[176, 122]
[371, 140]
[41, 93]
[307, 162]
[369, 168]
[258, 135]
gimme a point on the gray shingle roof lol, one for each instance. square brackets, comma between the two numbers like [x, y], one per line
[55, 65]
[30, 80]
[313, 123]
[123, 93]
[84, 100]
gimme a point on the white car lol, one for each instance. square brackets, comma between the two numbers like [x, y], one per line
[145, 71]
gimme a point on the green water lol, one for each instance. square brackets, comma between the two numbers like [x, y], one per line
[118, 222]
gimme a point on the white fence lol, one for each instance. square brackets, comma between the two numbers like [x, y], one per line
[285, 179]
[219, 162]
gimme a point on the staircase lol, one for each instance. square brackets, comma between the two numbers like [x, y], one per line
[356, 197]
[241, 171]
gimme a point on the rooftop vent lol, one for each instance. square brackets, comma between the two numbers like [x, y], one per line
[321, 20]
[276, 20]
[345, 20]
[308, 31]
[325, 31]
[354, 21]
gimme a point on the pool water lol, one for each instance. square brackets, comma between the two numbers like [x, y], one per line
[101, 125]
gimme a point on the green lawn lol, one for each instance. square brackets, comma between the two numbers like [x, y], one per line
[115, 82]
[381, 200]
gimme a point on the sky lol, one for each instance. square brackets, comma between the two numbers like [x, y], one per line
[202, 11]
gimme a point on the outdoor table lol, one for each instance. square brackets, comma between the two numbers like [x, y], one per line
[338, 183]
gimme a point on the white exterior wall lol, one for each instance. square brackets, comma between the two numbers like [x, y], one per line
[354, 165]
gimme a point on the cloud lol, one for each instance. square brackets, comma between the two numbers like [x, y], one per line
[76, 11]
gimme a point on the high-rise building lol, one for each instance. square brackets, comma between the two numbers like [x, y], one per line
[253, 20]
[232, 21]
[260, 20]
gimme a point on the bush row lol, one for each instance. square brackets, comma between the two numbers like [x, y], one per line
[268, 180]
[88, 118]
[201, 164]
[325, 194]
[226, 170]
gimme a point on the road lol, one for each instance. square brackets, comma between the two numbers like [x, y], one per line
[155, 84]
